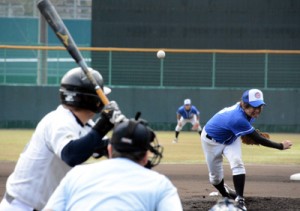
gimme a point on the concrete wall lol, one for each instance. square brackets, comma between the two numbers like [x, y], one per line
[24, 106]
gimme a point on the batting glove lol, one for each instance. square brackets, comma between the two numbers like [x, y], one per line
[113, 113]
[109, 116]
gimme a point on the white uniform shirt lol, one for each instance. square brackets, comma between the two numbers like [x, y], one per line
[115, 184]
[40, 168]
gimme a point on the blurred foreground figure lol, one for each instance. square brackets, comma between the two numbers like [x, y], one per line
[63, 138]
[123, 182]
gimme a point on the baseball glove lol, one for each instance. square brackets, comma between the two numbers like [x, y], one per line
[249, 141]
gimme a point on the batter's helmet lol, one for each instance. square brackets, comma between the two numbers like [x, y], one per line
[225, 204]
[76, 90]
[135, 136]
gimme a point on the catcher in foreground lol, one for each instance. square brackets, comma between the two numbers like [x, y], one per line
[222, 135]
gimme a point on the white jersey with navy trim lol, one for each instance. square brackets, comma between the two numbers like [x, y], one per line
[40, 168]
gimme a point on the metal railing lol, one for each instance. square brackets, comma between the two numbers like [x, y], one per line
[193, 68]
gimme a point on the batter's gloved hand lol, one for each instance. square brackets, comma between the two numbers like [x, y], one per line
[109, 116]
[112, 112]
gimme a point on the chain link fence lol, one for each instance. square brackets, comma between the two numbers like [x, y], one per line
[131, 67]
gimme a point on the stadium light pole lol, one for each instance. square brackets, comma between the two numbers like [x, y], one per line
[42, 54]
[161, 72]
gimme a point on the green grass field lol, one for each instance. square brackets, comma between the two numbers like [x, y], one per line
[187, 151]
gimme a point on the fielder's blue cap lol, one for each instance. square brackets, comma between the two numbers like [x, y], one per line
[254, 97]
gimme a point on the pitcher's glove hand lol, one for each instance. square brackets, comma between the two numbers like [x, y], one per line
[249, 141]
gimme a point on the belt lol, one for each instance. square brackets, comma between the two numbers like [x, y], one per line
[10, 198]
[209, 137]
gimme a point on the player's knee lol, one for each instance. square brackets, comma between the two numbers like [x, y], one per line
[237, 166]
[178, 128]
[215, 179]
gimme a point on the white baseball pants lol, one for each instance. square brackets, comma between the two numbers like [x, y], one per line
[214, 153]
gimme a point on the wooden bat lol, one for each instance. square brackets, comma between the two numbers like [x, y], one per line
[51, 16]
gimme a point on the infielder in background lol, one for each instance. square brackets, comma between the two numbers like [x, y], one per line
[187, 113]
[221, 136]
[122, 182]
[64, 138]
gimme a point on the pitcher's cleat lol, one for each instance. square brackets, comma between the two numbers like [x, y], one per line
[241, 203]
[230, 191]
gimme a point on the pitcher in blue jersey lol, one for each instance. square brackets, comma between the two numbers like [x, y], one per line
[221, 136]
[187, 113]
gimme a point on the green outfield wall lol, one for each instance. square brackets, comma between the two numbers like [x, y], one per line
[205, 24]
[24, 106]
[25, 31]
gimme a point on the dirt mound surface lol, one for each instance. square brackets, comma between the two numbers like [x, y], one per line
[268, 187]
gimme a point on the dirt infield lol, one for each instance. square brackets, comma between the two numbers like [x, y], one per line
[267, 187]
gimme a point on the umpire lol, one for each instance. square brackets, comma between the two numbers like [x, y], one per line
[123, 182]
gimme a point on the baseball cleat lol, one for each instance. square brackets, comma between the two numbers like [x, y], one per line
[230, 191]
[241, 203]
[175, 141]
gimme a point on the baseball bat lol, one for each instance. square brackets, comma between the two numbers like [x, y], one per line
[51, 16]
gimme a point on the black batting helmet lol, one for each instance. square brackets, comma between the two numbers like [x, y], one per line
[76, 90]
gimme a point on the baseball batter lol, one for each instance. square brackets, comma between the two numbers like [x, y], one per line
[221, 136]
[187, 113]
[64, 138]
[122, 182]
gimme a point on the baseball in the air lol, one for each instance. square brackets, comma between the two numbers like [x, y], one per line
[161, 54]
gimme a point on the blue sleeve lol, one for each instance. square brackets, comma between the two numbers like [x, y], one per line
[179, 110]
[241, 127]
[195, 110]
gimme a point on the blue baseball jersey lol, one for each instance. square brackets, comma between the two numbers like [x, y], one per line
[188, 114]
[228, 124]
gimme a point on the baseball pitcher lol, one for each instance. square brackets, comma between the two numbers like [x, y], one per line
[221, 136]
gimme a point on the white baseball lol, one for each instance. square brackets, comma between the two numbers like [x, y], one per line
[161, 54]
